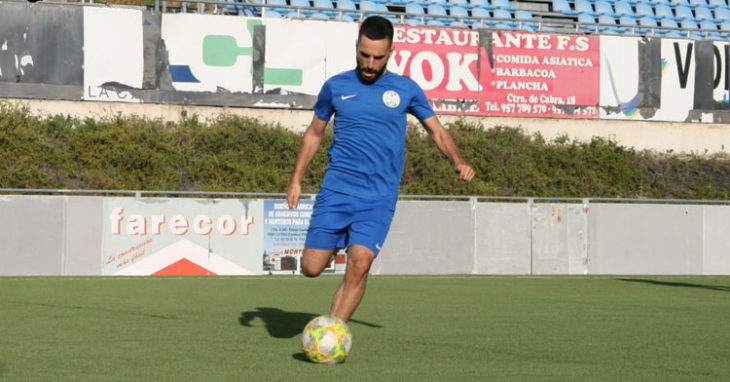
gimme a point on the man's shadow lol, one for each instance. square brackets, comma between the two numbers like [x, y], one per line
[283, 324]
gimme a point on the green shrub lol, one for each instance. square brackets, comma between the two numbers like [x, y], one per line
[232, 153]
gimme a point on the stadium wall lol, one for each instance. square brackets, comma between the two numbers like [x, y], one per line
[140, 236]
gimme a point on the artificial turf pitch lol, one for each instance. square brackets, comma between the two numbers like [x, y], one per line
[408, 328]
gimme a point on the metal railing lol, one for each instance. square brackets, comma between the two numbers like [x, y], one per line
[281, 195]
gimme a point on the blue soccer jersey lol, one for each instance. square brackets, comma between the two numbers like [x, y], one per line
[367, 154]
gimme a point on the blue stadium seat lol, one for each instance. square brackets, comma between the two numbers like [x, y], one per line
[527, 20]
[462, 13]
[650, 24]
[629, 25]
[484, 4]
[717, 3]
[298, 12]
[711, 30]
[428, 2]
[505, 15]
[683, 12]
[692, 26]
[698, 3]
[562, 6]
[415, 13]
[609, 27]
[722, 14]
[502, 4]
[483, 16]
[623, 8]
[584, 6]
[603, 7]
[587, 22]
[281, 11]
[347, 5]
[645, 10]
[703, 13]
[459, 3]
[664, 11]
[435, 11]
[670, 23]
[675, 3]
[725, 26]
[327, 7]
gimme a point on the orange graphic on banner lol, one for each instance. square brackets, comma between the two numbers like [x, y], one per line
[183, 267]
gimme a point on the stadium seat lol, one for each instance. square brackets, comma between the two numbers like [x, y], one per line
[462, 13]
[484, 4]
[437, 12]
[526, 20]
[586, 22]
[281, 11]
[608, 25]
[691, 26]
[650, 25]
[347, 8]
[645, 10]
[414, 14]
[717, 3]
[703, 13]
[629, 25]
[326, 7]
[458, 3]
[480, 17]
[603, 7]
[674, 3]
[562, 6]
[302, 11]
[722, 14]
[504, 15]
[683, 12]
[584, 6]
[623, 8]
[502, 4]
[670, 23]
[698, 3]
[664, 11]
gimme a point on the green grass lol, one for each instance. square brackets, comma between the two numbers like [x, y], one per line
[408, 328]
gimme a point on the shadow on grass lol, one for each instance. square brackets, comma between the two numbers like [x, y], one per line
[282, 324]
[722, 288]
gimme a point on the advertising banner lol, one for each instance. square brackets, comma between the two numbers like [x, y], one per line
[444, 62]
[145, 237]
[540, 75]
[507, 73]
[285, 231]
[114, 44]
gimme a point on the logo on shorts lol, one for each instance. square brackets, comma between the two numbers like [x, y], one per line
[377, 246]
[391, 99]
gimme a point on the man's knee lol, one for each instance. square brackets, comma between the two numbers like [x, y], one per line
[359, 260]
[314, 261]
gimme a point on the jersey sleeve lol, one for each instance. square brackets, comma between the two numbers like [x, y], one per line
[323, 108]
[419, 107]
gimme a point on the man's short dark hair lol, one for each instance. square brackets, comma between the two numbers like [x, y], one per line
[376, 28]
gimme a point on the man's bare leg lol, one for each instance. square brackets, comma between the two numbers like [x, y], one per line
[352, 288]
[314, 261]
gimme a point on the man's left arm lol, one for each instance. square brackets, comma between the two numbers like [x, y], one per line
[446, 144]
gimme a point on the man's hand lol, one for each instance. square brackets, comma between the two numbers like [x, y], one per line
[466, 173]
[293, 193]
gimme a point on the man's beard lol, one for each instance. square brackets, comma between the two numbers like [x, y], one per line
[377, 73]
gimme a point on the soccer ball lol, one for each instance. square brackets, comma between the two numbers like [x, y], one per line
[326, 339]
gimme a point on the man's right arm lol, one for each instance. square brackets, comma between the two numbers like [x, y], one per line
[310, 143]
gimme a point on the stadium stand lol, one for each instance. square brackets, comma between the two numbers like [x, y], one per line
[696, 19]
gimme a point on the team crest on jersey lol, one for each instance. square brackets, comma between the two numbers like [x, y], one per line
[391, 99]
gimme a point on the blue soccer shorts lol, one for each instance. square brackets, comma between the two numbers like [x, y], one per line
[340, 220]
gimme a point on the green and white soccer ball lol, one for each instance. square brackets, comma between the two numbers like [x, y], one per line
[326, 339]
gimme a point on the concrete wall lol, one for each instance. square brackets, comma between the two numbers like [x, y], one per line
[62, 235]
